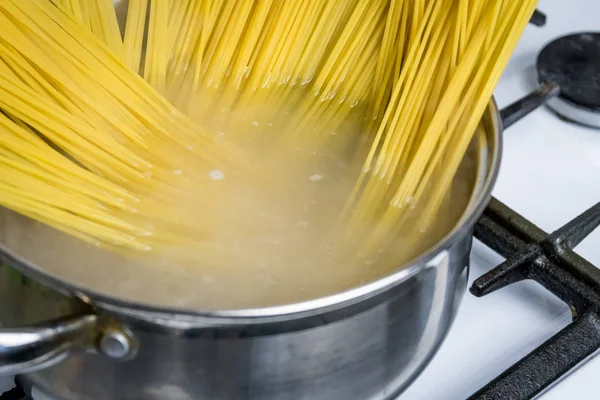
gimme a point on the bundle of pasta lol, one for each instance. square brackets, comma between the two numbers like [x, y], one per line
[438, 98]
[100, 123]
[125, 139]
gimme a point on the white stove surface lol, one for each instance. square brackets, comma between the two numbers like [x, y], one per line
[5, 384]
[550, 174]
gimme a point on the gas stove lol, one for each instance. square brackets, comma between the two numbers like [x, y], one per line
[530, 325]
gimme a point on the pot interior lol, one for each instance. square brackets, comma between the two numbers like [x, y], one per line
[88, 269]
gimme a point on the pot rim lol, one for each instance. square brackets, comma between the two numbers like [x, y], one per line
[294, 310]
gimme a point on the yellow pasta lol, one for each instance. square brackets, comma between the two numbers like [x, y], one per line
[134, 33]
[213, 125]
[155, 66]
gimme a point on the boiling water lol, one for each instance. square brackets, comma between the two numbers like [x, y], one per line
[265, 235]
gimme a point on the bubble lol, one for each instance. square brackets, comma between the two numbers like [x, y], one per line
[220, 134]
[333, 133]
[178, 172]
[316, 177]
[216, 175]
[255, 123]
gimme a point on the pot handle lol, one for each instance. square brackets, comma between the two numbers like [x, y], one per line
[24, 350]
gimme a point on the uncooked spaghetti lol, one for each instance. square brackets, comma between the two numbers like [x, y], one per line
[209, 127]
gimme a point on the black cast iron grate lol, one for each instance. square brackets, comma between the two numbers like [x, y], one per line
[548, 259]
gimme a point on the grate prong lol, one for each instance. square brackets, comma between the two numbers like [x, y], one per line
[574, 232]
[511, 271]
[538, 18]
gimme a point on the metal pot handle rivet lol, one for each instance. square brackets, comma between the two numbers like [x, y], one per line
[116, 344]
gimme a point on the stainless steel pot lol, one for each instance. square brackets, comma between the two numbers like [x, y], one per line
[367, 343]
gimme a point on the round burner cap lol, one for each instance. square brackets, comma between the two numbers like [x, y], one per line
[573, 62]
